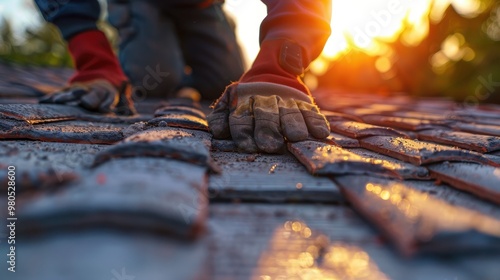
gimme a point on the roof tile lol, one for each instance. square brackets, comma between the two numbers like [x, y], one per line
[141, 194]
[481, 180]
[360, 130]
[419, 152]
[408, 217]
[475, 142]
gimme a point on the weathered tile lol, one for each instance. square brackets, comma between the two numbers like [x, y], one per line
[411, 124]
[360, 130]
[481, 180]
[32, 178]
[338, 116]
[419, 152]
[67, 132]
[179, 120]
[164, 142]
[224, 145]
[485, 129]
[38, 113]
[256, 229]
[297, 252]
[111, 255]
[323, 159]
[268, 178]
[402, 169]
[408, 217]
[475, 142]
[141, 194]
[179, 110]
[342, 141]
[479, 114]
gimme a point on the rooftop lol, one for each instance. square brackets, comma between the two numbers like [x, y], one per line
[404, 188]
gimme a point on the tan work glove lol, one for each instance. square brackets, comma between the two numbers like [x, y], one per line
[260, 116]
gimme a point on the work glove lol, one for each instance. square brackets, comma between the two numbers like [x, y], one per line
[260, 116]
[97, 95]
[99, 83]
[269, 104]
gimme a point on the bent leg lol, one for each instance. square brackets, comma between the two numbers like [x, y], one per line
[149, 49]
[209, 47]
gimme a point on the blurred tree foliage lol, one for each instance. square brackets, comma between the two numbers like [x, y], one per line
[460, 59]
[42, 45]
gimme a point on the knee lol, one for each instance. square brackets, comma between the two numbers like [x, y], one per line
[157, 81]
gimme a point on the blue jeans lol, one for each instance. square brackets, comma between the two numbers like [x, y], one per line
[166, 45]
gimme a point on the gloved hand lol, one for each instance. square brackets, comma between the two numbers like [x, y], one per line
[99, 83]
[96, 95]
[260, 115]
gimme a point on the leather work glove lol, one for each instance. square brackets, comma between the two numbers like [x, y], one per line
[99, 83]
[97, 95]
[260, 116]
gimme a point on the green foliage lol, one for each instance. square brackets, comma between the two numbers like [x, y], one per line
[41, 46]
[472, 74]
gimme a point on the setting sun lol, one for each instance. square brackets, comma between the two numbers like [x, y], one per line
[361, 24]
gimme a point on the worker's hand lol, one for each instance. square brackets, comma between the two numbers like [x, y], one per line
[98, 95]
[261, 116]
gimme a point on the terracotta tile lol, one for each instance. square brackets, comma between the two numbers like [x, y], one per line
[140, 194]
[420, 152]
[268, 178]
[475, 142]
[481, 180]
[407, 217]
[174, 143]
[403, 123]
[67, 132]
[485, 129]
[360, 130]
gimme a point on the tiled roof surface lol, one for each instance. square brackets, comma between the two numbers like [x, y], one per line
[404, 188]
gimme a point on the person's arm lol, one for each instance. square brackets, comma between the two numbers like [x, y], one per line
[99, 83]
[270, 103]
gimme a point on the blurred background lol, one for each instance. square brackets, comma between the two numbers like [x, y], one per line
[447, 48]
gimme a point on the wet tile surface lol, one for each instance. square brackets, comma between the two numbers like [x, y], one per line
[481, 180]
[408, 217]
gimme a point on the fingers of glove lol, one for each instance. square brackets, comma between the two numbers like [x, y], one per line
[316, 122]
[241, 125]
[92, 100]
[218, 119]
[292, 122]
[109, 101]
[267, 133]
[64, 97]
